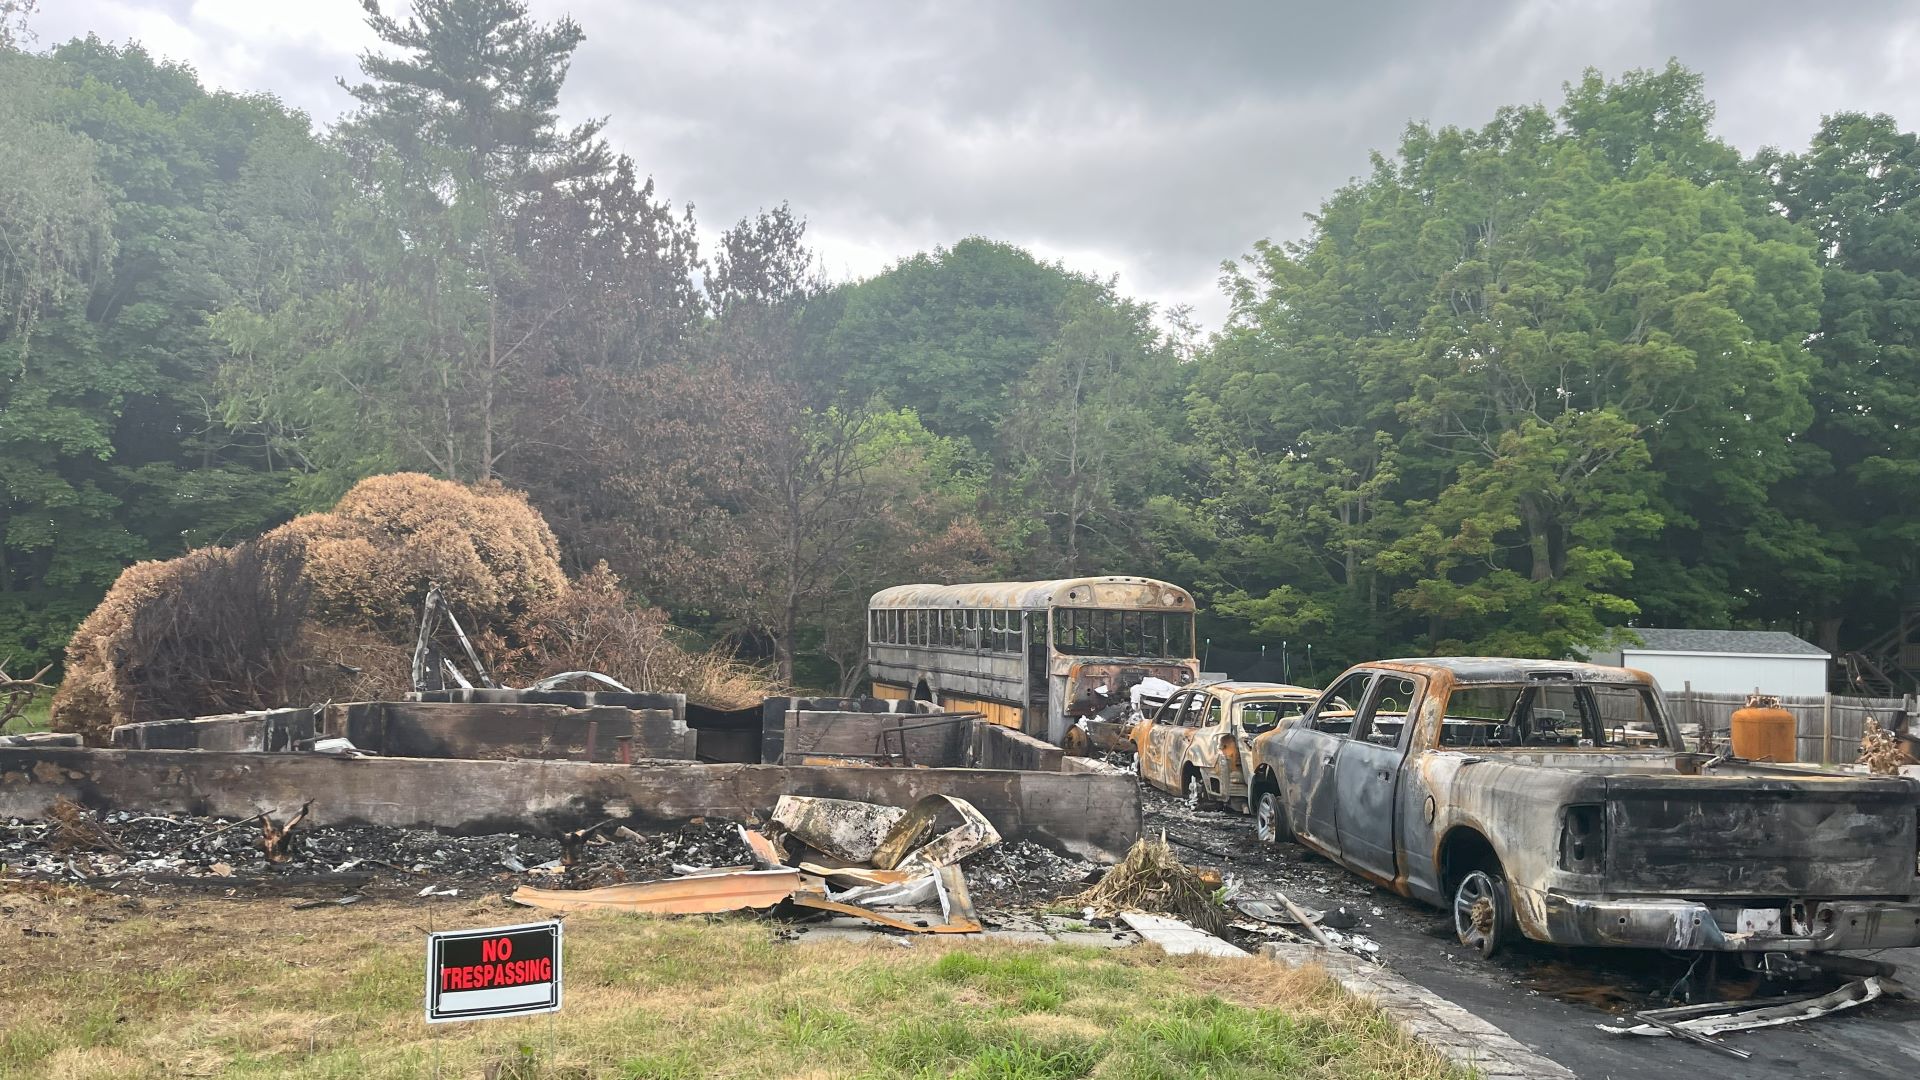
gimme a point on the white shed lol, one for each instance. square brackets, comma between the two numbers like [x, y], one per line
[1726, 661]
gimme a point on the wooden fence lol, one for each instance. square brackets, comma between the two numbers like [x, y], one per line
[1828, 725]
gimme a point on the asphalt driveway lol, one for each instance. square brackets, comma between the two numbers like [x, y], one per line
[1552, 999]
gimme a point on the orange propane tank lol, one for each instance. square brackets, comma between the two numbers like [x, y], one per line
[1763, 731]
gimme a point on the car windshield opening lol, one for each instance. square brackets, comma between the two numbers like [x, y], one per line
[1261, 716]
[1566, 715]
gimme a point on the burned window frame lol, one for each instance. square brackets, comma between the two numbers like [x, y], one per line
[1332, 700]
[1593, 724]
[1122, 633]
[1279, 705]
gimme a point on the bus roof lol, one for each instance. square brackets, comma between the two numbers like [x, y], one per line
[1112, 591]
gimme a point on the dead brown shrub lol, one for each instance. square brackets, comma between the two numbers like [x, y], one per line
[372, 557]
[345, 664]
[225, 639]
[73, 828]
[1151, 878]
[215, 630]
[325, 608]
[595, 626]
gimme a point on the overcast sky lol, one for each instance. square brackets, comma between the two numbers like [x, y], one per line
[1151, 141]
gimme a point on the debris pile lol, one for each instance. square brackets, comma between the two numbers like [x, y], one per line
[905, 868]
[126, 849]
[1151, 879]
[1021, 874]
[1880, 750]
[833, 855]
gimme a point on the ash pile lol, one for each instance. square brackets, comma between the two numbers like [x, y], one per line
[1276, 892]
[274, 849]
[279, 851]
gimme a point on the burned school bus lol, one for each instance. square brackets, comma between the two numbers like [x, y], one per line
[1554, 801]
[1030, 655]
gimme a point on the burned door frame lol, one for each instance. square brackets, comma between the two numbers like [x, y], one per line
[1366, 782]
[1163, 749]
[1308, 759]
[1218, 772]
[1044, 700]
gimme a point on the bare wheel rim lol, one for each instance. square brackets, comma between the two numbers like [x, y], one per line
[1476, 910]
[1193, 791]
[1264, 813]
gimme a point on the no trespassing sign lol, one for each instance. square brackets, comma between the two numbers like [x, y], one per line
[498, 971]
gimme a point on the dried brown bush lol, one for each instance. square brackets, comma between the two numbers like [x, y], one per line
[594, 626]
[73, 828]
[325, 608]
[372, 557]
[225, 639]
[1152, 879]
[215, 630]
[91, 694]
[345, 664]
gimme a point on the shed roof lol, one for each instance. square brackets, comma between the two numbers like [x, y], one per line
[1734, 642]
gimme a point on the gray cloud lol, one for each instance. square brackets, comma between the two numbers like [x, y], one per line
[1124, 137]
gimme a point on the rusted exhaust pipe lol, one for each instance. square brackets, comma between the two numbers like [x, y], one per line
[625, 742]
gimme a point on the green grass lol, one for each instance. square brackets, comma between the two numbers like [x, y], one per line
[174, 987]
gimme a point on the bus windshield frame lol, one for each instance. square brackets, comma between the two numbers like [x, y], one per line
[1123, 632]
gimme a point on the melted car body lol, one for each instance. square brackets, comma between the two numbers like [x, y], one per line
[1555, 801]
[1197, 743]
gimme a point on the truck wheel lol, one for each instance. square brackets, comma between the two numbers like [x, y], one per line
[1483, 912]
[1270, 818]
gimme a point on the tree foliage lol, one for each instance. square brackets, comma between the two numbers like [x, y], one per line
[1522, 386]
[1507, 367]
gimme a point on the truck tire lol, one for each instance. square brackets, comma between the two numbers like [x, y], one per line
[1270, 817]
[1483, 911]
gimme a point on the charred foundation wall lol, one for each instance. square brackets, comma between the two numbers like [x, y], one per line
[993, 746]
[603, 733]
[1092, 815]
[268, 730]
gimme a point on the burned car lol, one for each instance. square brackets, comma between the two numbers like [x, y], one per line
[1196, 743]
[1555, 802]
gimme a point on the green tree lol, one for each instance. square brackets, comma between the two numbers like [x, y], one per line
[1858, 189]
[1092, 434]
[120, 246]
[1514, 361]
[948, 334]
[433, 325]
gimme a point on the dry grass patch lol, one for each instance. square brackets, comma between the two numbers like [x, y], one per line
[249, 988]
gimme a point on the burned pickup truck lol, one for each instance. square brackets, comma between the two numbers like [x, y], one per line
[1554, 801]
